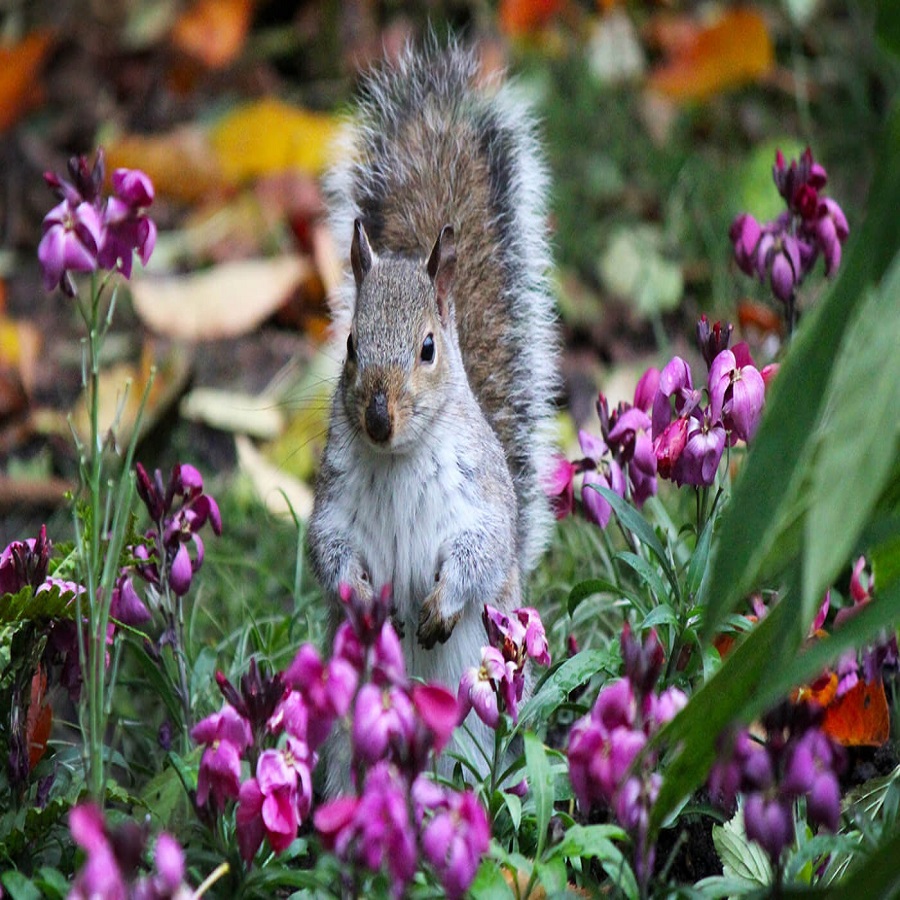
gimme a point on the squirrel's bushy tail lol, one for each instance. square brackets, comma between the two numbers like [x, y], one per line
[428, 146]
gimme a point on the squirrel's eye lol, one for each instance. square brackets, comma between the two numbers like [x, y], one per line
[351, 350]
[428, 349]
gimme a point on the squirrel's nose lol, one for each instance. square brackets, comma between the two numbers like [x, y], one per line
[378, 418]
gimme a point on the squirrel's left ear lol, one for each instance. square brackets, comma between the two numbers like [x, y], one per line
[441, 268]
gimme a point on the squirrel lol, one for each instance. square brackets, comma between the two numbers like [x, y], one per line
[440, 426]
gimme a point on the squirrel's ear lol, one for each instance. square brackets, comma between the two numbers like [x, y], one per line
[360, 253]
[441, 268]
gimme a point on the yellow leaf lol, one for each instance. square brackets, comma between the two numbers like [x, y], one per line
[269, 136]
[704, 61]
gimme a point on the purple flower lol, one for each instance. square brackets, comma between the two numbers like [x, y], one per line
[125, 605]
[745, 234]
[675, 389]
[518, 635]
[374, 830]
[831, 231]
[645, 390]
[770, 822]
[168, 858]
[737, 394]
[226, 734]
[438, 709]
[455, 837]
[25, 563]
[669, 445]
[127, 227]
[606, 473]
[383, 721]
[72, 235]
[703, 449]
[327, 690]
[100, 876]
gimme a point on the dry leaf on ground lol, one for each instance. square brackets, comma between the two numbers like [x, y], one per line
[213, 31]
[228, 300]
[20, 65]
[257, 416]
[180, 163]
[268, 136]
[704, 60]
[279, 491]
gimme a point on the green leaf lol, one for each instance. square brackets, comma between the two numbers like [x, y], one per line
[699, 566]
[489, 882]
[26, 606]
[52, 883]
[19, 887]
[741, 858]
[661, 615]
[754, 523]
[540, 786]
[585, 589]
[632, 520]
[648, 575]
[561, 681]
[874, 875]
[852, 464]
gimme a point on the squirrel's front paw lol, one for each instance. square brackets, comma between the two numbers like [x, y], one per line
[434, 627]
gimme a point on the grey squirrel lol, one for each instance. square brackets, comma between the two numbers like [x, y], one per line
[439, 432]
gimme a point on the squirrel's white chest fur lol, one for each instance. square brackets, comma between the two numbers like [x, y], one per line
[402, 512]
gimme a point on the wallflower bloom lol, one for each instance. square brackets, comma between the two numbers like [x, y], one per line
[455, 837]
[226, 734]
[559, 486]
[737, 393]
[383, 723]
[479, 686]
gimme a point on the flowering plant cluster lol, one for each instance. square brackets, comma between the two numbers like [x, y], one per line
[114, 857]
[785, 250]
[795, 760]
[672, 430]
[609, 764]
[497, 684]
[390, 814]
[84, 233]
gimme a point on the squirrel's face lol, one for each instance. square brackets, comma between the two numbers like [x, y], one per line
[397, 366]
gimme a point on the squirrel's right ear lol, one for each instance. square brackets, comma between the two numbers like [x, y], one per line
[441, 268]
[360, 253]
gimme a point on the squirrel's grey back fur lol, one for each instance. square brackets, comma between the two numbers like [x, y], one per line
[429, 147]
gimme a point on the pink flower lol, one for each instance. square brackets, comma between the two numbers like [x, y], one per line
[272, 804]
[479, 685]
[100, 876]
[438, 709]
[226, 734]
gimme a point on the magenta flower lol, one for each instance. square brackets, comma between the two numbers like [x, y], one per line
[737, 393]
[676, 390]
[605, 473]
[327, 690]
[226, 735]
[559, 486]
[703, 449]
[454, 839]
[383, 721]
[517, 635]
[100, 876]
[669, 446]
[125, 605]
[273, 804]
[645, 390]
[127, 227]
[72, 235]
[745, 234]
[438, 709]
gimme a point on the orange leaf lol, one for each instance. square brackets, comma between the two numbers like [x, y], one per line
[19, 68]
[39, 721]
[213, 31]
[860, 717]
[518, 17]
[733, 51]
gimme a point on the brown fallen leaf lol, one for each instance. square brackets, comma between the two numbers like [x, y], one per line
[259, 417]
[122, 389]
[226, 301]
[213, 31]
[705, 60]
[520, 17]
[181, 163]
[20, 65]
